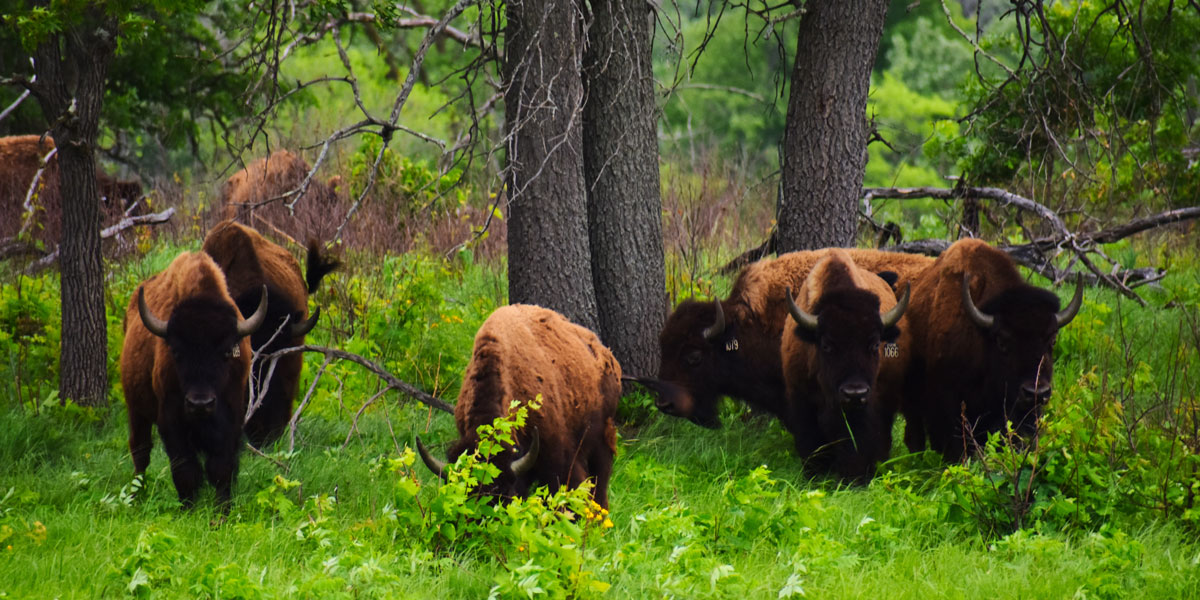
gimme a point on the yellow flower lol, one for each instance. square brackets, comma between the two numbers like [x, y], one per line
[607, 523]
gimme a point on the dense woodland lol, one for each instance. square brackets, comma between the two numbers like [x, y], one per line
[609, 160]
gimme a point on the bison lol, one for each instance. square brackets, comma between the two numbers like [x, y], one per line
[832, 353]
[982, 349]
[731, 347]
[20, 158]
[250, 262]
[184, 366]
[255, 196]
[522, 351]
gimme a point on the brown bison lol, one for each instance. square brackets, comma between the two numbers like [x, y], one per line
[982, 349]
[731, 347]
[250, 262]
[254, 196]
[20, 158]
[832, 351]
[522, 351]
[184, 367]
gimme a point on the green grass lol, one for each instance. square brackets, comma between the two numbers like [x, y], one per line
[695, 513]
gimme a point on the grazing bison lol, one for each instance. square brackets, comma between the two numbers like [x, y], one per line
[731, 347]
[20, 158]
[982, 349]
[832, 353]
[184, 367]
[254, 196]
[250, 262]
[522, 351]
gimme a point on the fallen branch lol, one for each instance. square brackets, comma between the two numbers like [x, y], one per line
[125, 223]
[990, 193]
[392, 381]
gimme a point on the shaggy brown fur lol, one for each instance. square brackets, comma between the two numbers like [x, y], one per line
[522, 351]
[249, 262]
[845, 351]
[961, 371]
[269, 178]
[744, 361]
[158, 374]
[20, 158]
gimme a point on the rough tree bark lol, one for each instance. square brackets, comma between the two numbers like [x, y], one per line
[825, 138]
[71, 67]
[620, 155]
[548, 257]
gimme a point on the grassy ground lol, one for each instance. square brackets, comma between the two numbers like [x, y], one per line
[1104, 504]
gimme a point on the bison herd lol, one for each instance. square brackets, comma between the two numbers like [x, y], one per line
[833, 343]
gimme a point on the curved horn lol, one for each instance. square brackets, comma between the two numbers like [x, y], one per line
[153, 324]
[1065, 315]
[251, 324]
[438, 467]
[802, 318]
[302, 328]
[525, 464]
[892, 316]
[718, 326]
[983, 320]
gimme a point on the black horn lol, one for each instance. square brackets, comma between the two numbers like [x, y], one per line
[153, 324]
[252, 323]
[892, 316]
[1065, 315]
[302, 328]
[525, 464]
[983, 320]
[802, 318]
[438, 467]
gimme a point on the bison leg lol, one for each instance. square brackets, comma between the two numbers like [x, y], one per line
[222, 470]
[806, 430]
[185, 466]
[140, 442]
[601, 466]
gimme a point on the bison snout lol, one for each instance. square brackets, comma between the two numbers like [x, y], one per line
[201, 402]
[854, 394]
[1038, 394]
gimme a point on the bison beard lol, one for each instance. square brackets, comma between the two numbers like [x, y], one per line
[841, 418]
[522, 351]
[187, 373]
[250, 262]
[982, 350]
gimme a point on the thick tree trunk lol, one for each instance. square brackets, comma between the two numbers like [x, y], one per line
[621, 164]
[548, 255]
[71, 69]
[825, 139]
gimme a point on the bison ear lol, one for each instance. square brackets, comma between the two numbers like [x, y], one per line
[891, 277]
[890, 334]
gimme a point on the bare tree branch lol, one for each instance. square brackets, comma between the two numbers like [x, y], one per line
[125, 223]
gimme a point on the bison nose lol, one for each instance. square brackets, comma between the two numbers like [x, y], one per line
[855, 393]
[201, 401]
[1037, 393]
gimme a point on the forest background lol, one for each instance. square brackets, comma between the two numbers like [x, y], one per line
[1103, 506]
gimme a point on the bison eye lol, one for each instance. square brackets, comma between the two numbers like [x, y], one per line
[826, 346]
[873, 346]
[693, 358]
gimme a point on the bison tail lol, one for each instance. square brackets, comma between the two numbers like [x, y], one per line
[318, 266]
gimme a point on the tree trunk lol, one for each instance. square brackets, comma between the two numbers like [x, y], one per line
[548, 256]
[825, 139]
[71, 68]
[621, 164]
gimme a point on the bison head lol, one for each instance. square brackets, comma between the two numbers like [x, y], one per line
[1019, 327]
[515, 465]
[700, 354]
[204, 338]
[846, 329]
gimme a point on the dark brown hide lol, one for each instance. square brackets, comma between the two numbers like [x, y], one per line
[249, 262]
[964, 377]
[743, 361]
[522, 351]
[202, 318]
[842, 390]
[253, 196]
[20, 158]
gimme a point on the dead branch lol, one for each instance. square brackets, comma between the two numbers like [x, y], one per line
[125, 223]
[392, 381]
[988, 193]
